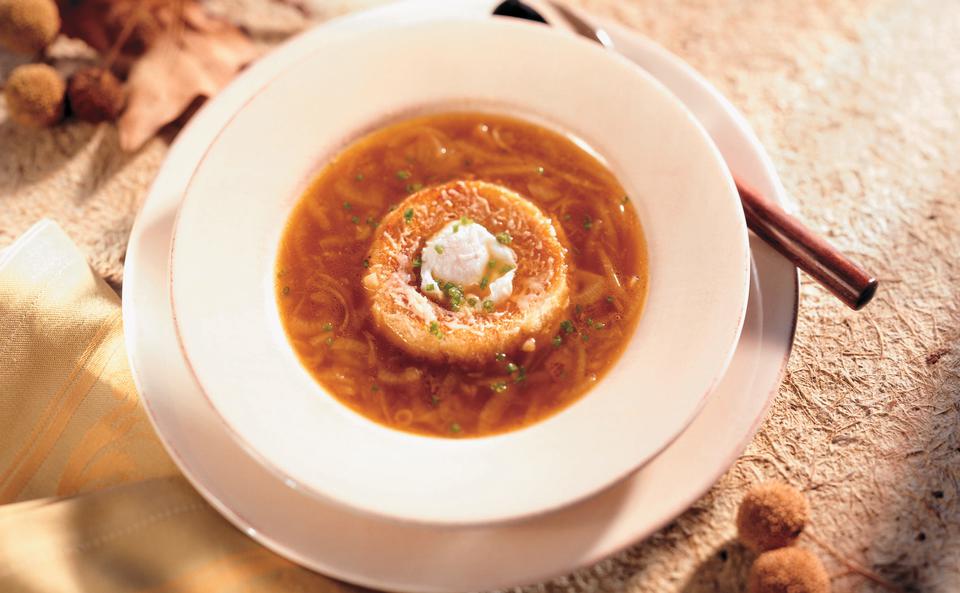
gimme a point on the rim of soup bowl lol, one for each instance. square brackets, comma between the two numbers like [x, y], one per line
[383, 505]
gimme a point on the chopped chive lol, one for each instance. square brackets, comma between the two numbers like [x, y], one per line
[587, 223]
[455, 428]
[566, 217]
[511, 367]
[609, 299]
[500, 356]
[359, 177]
[435, 330]
[488, 305]
[347, 206]
[507, 268]
[366, 262]
[624, 200]
[285, 291]
[417, 262]
[504, 237]
[567, 326]
[585, 337]
[373, 222]
[374, 388]
[327, 327]
[491, 264]
[499, 386]
[521, 376]
[434, 400]
[557, 341]
[402, 174]
[578, 309]
[438, 249]
[408, 214]
[456, 227]
[484, 282]
[472, 301]
[464, 220]
[539, 170]
[455, 293]
[414, 187]
[430, 287]
[355, 219]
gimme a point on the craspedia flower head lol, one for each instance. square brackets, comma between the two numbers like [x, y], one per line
[771, 515]
[35, 95]
[788, 570]
[95, 95]
[28, 26]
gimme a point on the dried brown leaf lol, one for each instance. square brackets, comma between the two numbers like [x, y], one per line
[120, 29]
[172, 51]
[195, 60]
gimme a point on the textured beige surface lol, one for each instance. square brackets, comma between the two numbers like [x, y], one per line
[858, 102]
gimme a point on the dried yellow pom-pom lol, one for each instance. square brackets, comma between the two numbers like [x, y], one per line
[788, 570]
[771, 515]
[28, 26]
[34, 94]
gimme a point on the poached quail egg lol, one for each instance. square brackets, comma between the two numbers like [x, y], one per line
[470, 257]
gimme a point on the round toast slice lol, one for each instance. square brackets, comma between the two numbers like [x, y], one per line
[471, 335]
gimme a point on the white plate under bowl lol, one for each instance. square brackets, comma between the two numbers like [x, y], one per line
[385, 554]
[237, 204]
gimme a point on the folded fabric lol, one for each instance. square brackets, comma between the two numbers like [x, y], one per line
[70, 420]
[91, 501]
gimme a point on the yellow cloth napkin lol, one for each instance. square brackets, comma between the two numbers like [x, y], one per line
[91, 501]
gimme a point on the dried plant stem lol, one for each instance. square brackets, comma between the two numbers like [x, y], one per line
[143, 11]
[124, 35]
[855, 566]
[179, 23]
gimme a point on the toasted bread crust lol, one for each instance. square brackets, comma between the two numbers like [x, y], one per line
[405, 316]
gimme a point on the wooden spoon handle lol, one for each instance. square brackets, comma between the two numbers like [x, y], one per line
[844, 278]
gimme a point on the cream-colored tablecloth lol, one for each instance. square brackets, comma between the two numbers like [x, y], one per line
[858, 103]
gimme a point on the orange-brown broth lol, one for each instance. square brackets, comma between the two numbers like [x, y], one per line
[321, 263]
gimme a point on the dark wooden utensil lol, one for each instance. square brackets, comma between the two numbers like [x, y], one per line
[805, 249]
[833, 270]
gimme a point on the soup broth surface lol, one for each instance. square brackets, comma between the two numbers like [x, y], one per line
[323, 258]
